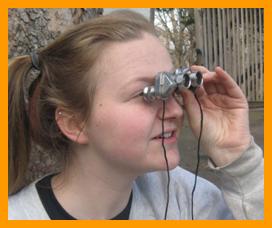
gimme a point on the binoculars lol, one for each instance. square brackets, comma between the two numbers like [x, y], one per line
[167, 83]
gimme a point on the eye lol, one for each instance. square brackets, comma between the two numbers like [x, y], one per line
[141, 94]
[137, 97]
[138, 94]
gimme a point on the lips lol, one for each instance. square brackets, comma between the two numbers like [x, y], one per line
[166, 135]
[169, 137]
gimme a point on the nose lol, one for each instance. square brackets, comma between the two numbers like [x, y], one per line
[173, 109]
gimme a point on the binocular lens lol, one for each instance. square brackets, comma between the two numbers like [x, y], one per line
[183, 80]
[196, 79]
[187, 81]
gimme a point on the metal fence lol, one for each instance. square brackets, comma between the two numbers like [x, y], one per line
[233, 39]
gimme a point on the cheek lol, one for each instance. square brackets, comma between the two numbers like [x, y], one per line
[122, 129]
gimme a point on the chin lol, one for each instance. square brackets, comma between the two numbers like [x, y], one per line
[173, 163]
[173, 158]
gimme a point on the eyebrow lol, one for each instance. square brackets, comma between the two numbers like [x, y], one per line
[146, 79]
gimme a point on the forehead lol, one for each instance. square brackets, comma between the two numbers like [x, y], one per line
[123, 62]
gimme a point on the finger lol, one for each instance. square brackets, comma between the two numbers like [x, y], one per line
[209, 82]
[210, 88]
[189, 101]
[199, 68]
[214, 84]
[191, 107]
[200, 92]
[209, 76]
[220, 88]
[230, 86]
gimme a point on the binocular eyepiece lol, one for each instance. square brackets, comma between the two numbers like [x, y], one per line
[167, 83]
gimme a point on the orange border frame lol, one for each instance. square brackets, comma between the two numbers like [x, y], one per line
[5, 4]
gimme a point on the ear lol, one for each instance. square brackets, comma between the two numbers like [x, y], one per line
[70, 127]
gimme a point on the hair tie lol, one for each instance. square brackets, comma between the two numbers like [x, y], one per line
[35, 60]
[30, 82]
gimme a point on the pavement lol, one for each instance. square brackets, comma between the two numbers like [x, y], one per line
[188, 145]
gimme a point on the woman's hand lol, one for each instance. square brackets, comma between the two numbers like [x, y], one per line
[226, 133]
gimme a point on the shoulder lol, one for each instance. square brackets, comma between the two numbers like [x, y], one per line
[209, 200]
[26, 205]
[180, 180]
[185, 180]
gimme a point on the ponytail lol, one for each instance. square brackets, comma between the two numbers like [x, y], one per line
[19, 139]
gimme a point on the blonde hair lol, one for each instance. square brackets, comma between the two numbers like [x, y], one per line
[64, 65]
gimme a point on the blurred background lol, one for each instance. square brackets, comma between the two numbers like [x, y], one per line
[229, 37]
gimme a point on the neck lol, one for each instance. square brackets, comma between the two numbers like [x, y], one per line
[91, 189]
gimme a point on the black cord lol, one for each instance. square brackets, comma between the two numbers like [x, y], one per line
[166, 160]
[198, 156]
[198, 159]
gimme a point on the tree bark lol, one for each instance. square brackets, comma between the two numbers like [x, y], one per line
[30, 29]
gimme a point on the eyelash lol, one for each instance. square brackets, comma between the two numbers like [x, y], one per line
[140, 94]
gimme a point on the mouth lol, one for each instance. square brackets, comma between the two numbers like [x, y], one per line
[168, 136]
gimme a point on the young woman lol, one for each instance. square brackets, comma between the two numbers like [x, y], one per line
[81, 97]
